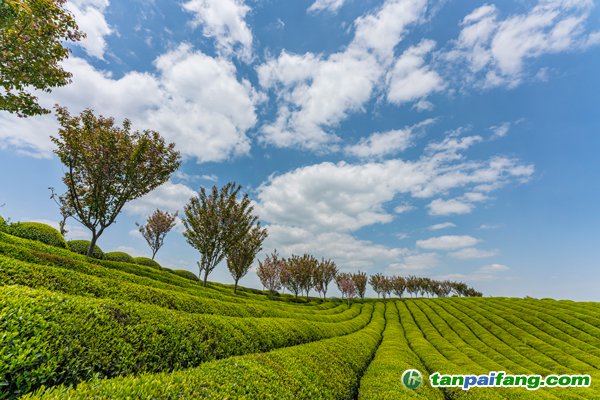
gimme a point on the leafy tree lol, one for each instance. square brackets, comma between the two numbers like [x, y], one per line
[323, 274]
[215, 222]
[65, 211]
[156, 228]
[297, 274]
[346, 285]
[241, 256]
[32, 33]
[398, 285]
[386, 287]
[376, 282]
[360, 281]
[107, 166]
[269, 272]
[412, 285]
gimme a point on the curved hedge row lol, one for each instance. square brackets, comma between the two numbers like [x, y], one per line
[69, 339]
[118, 256]
[14, 272]
[3, 224]
[326, 369]
[37, 231]
[38, 253]
[148, 262]
[82, 246]
[382, 380]
[186, 274]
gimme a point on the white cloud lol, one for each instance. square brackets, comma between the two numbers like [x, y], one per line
[346, 197]
[194, 100]
[169, 197]
[224, 20]
[349, 253]
[449, 207]
[411, 79]
[89, 15]
[326, 5]
[447, 242]
[317, 92]
[472, 253]
[493, 268]
[444, 225]
[381, 144]
[500, 130]
[415, 263]
[496, 50]
[404, 207]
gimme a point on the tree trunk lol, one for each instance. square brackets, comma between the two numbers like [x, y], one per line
[154, 253]
[235, 286]
[90, 251]
[205, 278]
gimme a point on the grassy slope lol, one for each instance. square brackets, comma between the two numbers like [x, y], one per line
[65, 319]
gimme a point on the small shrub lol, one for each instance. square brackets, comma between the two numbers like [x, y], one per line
[81, 247]
[2, 224]
[37, 231]
[186, 274]
[147, 262]
[118, 256]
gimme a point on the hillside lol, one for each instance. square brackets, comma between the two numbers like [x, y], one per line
[67, 320]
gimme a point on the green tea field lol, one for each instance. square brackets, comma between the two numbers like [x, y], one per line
[73, 327]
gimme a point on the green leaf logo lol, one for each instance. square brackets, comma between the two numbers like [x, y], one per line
[412, 379]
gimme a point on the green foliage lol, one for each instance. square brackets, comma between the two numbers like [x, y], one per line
[118, 256]
[79, 338]
[216, 222]
[156, 228]
[241, 256]
[82, 246]
[186, 274]
[325, 369]
[3, 224]
[107, 166]
[37, 231]
[147, 262]
[32, 36]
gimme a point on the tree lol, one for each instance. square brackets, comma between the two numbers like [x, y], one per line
[269, 272]
[65, 211]
[386, 287]
[107, 166]
[376, 282]
[412, 285]
[360, 281]
[324, 273]
[32, 33]
[297, 274]
[398, 285]
[215, 222]
[241, 256]
[156, 228]
[346, 285]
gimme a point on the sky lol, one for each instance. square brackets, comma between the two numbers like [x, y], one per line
[448, 139]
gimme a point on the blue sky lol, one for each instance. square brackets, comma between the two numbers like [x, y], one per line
[437, 138]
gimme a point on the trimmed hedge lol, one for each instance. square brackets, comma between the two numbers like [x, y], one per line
[382, 380]
[186, 274]
[69, 339]
[37, 231]
[118, 256]
[3, 224]
[148, 262]
[326, 369]
[108, 285]
[38, 253]
[82, 246]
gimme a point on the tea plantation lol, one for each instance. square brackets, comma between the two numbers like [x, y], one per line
[73, 327]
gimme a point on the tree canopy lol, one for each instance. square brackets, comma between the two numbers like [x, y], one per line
[107, 166]
[32, 33]
[156, 228]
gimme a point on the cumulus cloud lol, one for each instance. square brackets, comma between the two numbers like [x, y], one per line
[89, 15]
[449, 207]
[193, 99]
[316, 92]
[326, 5]
[496, 49]
[472, 253]
[171, 197]
[411, 78]
[223, 20]
[415, 263]
[444, 225]
[447, 242]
